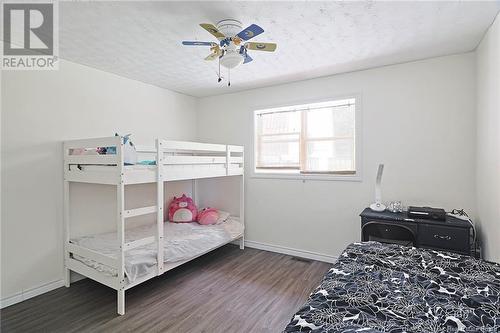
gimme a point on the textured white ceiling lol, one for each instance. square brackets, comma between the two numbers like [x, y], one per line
[141, 40]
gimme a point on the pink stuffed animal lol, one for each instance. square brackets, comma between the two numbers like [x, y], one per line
[208, 216]
[182, 209]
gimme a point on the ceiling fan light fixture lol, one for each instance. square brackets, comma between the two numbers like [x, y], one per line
[231, 60]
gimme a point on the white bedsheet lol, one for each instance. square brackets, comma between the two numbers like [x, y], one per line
[182, 241]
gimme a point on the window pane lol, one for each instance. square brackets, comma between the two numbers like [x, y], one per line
[343, 121]
[337, 155]
[280, 138]
[282, 122]
[320, 123]
[279, 154]
[331, 122]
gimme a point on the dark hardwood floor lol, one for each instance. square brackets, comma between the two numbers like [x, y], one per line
[227, 290]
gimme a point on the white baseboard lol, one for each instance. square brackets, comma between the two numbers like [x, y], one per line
[29, 293]
[291, 251]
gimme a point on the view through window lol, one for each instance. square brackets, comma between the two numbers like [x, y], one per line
[307, 138]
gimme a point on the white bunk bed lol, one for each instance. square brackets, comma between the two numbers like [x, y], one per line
[175, 160]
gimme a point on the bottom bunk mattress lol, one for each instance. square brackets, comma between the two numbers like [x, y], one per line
[376, 287]
[182, 241]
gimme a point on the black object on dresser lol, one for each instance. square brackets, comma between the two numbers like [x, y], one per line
[452, 234]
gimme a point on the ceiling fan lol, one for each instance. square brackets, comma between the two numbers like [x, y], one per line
[232, 47]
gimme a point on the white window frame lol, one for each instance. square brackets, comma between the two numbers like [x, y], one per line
[289, 174]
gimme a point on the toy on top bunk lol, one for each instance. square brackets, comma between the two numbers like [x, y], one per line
[129, 152]
[183, 210]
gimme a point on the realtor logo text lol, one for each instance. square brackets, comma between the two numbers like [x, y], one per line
[30, 36]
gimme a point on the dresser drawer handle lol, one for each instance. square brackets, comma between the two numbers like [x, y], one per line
[446, 237]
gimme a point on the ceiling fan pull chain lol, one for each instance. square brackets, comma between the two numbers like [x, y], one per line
[219, 79]
[229, 77]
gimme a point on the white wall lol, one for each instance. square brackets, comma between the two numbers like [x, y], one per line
[39, 110]
[418, 118]
[488, 141]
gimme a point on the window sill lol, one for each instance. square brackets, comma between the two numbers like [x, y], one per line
[305, 177]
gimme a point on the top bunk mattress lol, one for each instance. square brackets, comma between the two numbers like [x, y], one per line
[182, 241]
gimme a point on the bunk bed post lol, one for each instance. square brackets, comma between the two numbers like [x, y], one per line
[242, 200]
[159, 203]
[194, 191]
[67, 272]
[121, 301]
[120, 225]
[228, 159]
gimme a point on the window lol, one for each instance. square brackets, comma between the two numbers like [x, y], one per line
[316, 138]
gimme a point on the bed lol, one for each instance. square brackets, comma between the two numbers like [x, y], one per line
[181, 242]
[130, 256]
[376, 287]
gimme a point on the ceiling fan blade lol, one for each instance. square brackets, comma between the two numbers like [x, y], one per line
[270, 47]
[196, 43]
[250, 32]
[212, 56]
[216, 52]
[247, 59]
[213, 30]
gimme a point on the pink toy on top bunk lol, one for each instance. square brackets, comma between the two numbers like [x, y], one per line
[182, 209]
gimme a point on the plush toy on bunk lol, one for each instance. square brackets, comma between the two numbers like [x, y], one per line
[129, 151]
[183, 210]
[208, 216]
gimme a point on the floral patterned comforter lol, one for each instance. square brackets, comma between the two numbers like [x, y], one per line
[376, 287]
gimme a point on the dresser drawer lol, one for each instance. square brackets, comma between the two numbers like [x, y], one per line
[447, 238]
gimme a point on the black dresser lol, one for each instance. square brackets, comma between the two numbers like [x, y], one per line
[453, 234]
